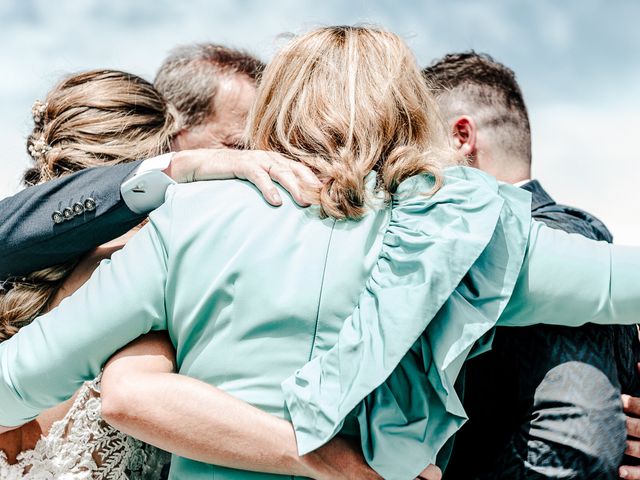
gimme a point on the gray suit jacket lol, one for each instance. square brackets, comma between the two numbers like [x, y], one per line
[35, 232]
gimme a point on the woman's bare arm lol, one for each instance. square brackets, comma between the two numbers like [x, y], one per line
[141, 396]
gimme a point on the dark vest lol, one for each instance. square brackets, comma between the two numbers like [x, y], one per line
[570, 219]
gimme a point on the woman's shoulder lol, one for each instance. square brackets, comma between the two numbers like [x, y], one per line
[222, 212]
[229, 195]
[460, 190]
[459, 178]
[219, 199]
[465, 198]
[225, 191]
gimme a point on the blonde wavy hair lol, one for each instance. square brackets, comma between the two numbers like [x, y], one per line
[345, 101]
[99, 117]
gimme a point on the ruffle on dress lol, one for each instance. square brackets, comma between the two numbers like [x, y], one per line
[447, 268]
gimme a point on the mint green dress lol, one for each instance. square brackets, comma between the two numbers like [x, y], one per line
[352, 327]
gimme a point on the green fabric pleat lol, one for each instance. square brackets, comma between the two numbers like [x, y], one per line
[447, 269]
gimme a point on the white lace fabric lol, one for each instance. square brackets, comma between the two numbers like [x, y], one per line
[82, 446]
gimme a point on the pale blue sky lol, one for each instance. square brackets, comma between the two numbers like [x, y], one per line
[578, 63]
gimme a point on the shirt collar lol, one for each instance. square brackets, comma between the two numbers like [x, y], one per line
[539, 197]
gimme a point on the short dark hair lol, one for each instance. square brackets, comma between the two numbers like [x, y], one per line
[475, 84]
[190, 75]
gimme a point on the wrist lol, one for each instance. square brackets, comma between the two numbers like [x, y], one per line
[312, 465]
[296, 465]
[201, 164]
[180, 168]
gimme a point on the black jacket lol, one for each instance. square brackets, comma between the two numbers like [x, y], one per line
[570, 219]
[34, 236]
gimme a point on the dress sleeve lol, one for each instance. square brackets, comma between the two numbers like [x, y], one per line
[567, 279]
[396, 358]
[48, 360]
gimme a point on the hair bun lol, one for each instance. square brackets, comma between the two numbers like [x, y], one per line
[38, 111]
[38, 148]
[343, 194]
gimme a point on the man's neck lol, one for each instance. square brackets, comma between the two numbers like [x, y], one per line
[504, 174]
[503, 170]
[517, 178]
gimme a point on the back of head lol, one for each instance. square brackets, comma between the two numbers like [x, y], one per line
[190, 76]
[345, 101]
[94, 118]
[100, 117]
[476, 85]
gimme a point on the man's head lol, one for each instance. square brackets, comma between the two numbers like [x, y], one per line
[212, 87]
[483, 105]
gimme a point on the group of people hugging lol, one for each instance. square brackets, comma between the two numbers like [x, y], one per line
[311, 268]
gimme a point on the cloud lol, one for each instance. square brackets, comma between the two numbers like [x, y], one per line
[586, 157]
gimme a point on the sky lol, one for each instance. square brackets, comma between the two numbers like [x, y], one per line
[578, 62]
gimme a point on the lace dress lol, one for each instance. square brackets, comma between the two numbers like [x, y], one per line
[82, 446]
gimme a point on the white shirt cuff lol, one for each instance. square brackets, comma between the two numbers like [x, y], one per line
[145, 191]
[161, 162]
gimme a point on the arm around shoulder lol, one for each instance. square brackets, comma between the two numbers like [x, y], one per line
[567, 279]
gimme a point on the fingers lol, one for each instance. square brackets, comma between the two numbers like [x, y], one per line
[263, 168]
[633, 427]
[629, 472]
[291, 176]
[633, 448]
[631, 404]
[259, 176]
[305, 173]
[280, 171]
[311, 184]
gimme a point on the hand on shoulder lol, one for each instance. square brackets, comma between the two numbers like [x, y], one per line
[260, 167]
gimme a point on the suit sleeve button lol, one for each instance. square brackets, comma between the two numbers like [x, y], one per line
[67, 213]
[89, 204]
[78, 208]
[57, 217]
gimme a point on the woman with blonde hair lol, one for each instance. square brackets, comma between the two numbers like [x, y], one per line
[353, 316]
[99, 118]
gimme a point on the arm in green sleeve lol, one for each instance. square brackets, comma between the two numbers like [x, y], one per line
[46, 361]
[567, 279]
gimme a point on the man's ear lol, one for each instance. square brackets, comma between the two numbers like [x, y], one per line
[464, 136]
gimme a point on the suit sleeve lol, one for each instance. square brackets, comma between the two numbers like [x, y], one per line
[567, 279]
[46, 361]
[31, 240]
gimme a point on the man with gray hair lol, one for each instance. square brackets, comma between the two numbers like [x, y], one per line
[544, 403]
[212, 87]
